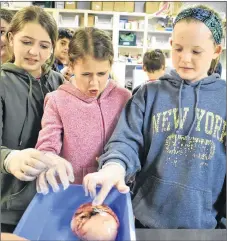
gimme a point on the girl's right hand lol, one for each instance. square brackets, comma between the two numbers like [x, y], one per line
[112, 174]
[26, 164]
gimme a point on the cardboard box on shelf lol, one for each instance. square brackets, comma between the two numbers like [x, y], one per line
[151, 7]
[60, 5]
[91, 21]
[70, 5]
[129, 7]
[81, 21]
[96, 6]
[107, 6]
[119, 6]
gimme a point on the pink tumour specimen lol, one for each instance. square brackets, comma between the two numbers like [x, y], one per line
[95, 223]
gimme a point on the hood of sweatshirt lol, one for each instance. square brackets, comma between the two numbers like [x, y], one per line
[23, 74]
[211, 82]
[174, 78]
[71, 89]
[48, 82]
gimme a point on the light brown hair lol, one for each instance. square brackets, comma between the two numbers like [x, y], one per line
[90, 41]
[35, 14]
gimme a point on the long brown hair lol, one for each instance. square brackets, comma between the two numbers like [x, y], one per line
[35, 14]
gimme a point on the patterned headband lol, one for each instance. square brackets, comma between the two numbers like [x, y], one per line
[205, 16]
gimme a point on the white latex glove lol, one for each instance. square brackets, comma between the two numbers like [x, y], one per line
[59, 167]
[112, 174]
[25, 165]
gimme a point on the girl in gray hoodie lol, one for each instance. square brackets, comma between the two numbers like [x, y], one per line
[23, 85]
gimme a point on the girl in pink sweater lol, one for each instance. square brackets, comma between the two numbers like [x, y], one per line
[81, 115]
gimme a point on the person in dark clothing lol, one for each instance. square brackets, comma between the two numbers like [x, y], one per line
[218, 69]
[5, 17]
[24, 83]
[154, 65]
[215, 67]
[61, 49]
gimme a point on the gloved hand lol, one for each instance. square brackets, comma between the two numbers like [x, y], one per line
[112, 174]
[58, 167]
[25, 165]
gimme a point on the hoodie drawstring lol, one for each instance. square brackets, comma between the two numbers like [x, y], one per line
[27, 105]
[195, 109]
[179, 105]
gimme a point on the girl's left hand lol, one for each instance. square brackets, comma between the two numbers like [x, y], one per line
[61, 168]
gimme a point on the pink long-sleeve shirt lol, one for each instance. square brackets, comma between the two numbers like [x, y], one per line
[77, 127]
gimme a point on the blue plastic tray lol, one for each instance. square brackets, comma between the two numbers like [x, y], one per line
[48, 216]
